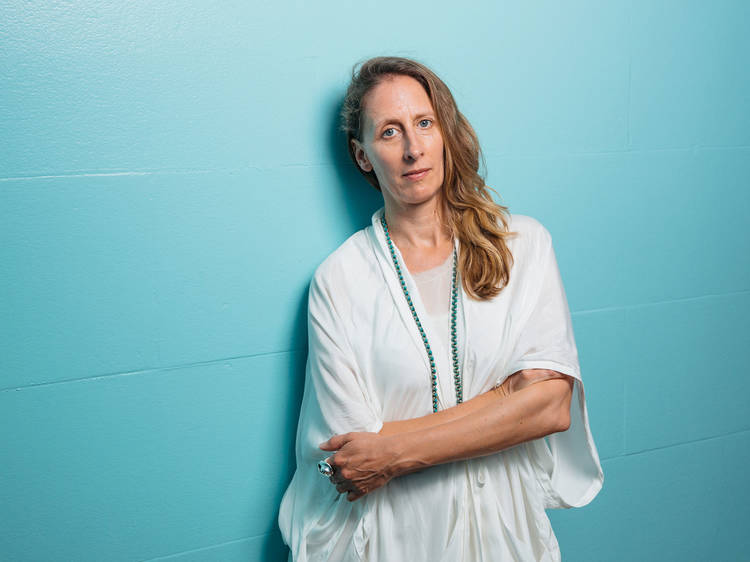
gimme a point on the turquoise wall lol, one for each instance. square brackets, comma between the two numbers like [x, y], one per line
[171, 175]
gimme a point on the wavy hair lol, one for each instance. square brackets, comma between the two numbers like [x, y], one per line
[480, 224]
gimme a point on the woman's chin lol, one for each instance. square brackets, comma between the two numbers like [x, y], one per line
[418, 195]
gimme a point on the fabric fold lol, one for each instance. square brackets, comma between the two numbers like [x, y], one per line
[567, 463]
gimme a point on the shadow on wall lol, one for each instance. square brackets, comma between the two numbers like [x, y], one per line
[273, 547]
[359, 200]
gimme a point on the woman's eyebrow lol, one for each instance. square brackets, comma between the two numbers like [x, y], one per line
[395, 120]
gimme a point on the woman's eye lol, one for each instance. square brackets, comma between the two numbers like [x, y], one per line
[428, 121]
[386, 131]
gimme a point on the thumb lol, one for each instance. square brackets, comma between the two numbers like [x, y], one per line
[335, 442]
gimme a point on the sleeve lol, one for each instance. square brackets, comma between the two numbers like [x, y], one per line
[566, 463]
[521, 379]
[312, 517]
[339, 399]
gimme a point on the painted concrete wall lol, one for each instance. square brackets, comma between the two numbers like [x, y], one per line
[171, 175]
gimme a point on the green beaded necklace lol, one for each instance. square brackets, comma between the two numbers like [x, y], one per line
[454, 339]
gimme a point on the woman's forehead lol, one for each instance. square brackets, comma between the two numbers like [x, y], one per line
[394, 97]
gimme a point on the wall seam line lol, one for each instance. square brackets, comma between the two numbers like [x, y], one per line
[174, 367]
[677, 444]
[208, 547]
[658, 303]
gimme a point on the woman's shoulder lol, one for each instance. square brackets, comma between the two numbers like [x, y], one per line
[526, 225]
[345, 262]
[531, 244]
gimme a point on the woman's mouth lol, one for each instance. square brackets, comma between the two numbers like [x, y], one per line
[417, 174]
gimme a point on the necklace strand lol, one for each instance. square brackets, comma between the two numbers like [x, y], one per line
[454, 338]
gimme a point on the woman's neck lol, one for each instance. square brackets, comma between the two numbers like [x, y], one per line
[420, 227]
[421, 235]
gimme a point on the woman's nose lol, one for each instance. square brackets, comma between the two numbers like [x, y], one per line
[413, 148]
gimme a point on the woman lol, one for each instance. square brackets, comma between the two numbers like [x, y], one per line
[441, 354]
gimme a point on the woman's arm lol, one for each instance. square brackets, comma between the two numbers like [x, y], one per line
[493, 422]
[514, 383]
[535, 411]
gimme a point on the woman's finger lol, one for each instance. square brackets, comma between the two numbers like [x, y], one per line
[337, 441]
[351, 496]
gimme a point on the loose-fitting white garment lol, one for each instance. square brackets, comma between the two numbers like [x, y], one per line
[367, 365]
[435, 291]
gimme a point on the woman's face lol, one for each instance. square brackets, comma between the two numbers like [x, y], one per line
[400, 136]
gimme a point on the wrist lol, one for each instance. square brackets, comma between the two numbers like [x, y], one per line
[405, 447]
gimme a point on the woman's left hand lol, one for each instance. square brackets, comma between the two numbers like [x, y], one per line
[362, 463]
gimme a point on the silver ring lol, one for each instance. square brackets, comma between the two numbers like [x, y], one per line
[325, 469]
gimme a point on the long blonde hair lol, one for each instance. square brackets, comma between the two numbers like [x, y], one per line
[480, 224]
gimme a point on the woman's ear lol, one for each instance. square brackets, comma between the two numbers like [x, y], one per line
[361, 156]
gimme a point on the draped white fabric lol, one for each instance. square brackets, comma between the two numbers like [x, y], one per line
[367, 365]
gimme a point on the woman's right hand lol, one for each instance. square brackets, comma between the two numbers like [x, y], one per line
[362, 463]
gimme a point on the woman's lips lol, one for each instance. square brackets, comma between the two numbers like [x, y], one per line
[417, 174]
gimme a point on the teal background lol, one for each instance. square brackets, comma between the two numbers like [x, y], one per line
[171, 175]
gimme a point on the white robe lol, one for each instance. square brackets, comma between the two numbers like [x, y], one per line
[367, 365]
